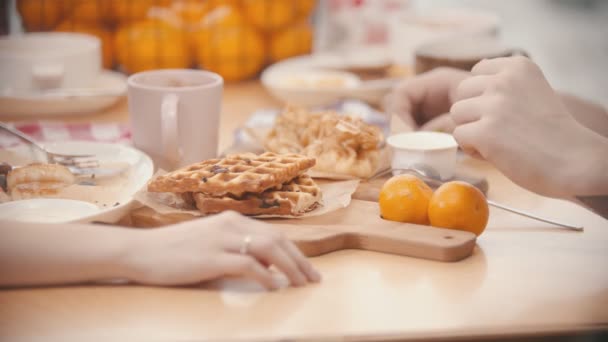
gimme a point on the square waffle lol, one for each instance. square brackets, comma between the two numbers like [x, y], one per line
[296, 197]
[234, 175]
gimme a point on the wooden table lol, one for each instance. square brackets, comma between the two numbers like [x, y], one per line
[524, 279]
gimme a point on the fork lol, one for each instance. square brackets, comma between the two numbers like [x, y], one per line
[72, 161]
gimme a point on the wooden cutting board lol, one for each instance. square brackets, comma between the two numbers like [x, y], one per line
[358, 226]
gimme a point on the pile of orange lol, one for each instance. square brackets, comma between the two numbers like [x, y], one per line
[235, 38]
[454, 205]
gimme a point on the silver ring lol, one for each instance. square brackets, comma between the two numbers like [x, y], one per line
[245, 246]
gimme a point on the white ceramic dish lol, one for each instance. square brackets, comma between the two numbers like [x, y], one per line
[311, 81]
[115, 198]
[434, 149]
[46, 210]
[110, 81]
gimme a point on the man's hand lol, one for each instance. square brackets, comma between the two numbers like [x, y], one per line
[508, 113]
[423, 101]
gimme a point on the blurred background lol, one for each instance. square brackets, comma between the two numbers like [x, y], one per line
[239, 38]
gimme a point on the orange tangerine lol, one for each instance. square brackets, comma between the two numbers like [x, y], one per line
[271, 15]
[90, 12]
[40, 15]
[292, 41]
[459, 205]
[228, 45]
[151, 44]
[405, 198]
[127, 11]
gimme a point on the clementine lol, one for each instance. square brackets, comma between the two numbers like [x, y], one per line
[90, 12]
[40, 15]
[459, 205]
[228, 45]
[292, 41]
[123, 12]
[405, 198]
[151, 44]
[271, 15]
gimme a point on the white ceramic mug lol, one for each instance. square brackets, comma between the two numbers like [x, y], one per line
[46, 60]
[427, 149]
[174, 115]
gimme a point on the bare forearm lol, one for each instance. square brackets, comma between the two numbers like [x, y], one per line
[590, 180]
[591, 115]
[35, 254]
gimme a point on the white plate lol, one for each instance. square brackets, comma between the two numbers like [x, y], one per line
[293, 80]
[46, 210]
[115, 198]
[111, 81]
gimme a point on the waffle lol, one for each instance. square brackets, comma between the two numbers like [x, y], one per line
[234, 175]
[340, 144]
[296, 197]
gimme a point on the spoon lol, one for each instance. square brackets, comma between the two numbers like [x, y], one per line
[431, 177]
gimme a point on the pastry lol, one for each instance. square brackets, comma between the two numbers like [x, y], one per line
[38, 180]
[340, 144]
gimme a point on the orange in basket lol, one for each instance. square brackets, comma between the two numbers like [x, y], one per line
[271, 15]
[38, 15]
[106, 37]
[90, 12]
[228, 45]
[191, 12]
[405, 198]
[151, 44]
[305, 8]
[127, 11]
[459, 205]
[292, 41]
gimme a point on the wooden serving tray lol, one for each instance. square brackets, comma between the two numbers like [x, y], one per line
[358, 226]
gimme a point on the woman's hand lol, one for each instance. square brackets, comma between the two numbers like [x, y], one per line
[508, 113]
[210, 248]
[423, 101]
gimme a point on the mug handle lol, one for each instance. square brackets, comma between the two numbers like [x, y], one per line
[168, 123]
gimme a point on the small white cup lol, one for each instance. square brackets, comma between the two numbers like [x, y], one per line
[36, 61]
[175, 114]
[433, 149]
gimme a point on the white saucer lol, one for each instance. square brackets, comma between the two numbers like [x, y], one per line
[46, 210]
[112, 81]
[111, 205]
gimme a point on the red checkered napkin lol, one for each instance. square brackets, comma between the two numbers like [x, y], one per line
[55, 131]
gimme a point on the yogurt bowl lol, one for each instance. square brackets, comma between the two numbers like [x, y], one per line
[431, 149]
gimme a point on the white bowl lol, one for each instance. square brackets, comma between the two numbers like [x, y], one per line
[46, 210]
[307, 86]
[433, 149]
